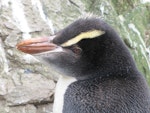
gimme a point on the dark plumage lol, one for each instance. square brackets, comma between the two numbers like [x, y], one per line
[106, 78]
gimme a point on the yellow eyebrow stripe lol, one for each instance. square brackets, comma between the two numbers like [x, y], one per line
[84, 35]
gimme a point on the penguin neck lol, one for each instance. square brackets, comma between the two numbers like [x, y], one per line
[100, 73]
[107, 68]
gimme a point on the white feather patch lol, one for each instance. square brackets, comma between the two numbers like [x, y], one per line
[61, 87]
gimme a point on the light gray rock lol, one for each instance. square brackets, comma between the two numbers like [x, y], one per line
[3, 88]
[6, 85]
[45, 108]
[33, 89]
[23, 109]
[3, 107]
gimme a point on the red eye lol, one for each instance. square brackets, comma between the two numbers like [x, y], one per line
[77, 50]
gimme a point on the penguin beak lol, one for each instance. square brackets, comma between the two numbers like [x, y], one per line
[37, 45]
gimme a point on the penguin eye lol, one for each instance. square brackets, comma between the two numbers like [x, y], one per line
[77, 50]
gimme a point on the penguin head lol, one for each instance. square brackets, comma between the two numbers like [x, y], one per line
[86, 47]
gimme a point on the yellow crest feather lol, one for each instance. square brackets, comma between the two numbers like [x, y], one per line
[84, 35]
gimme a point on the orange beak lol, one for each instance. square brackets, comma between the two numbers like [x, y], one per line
[36, 45]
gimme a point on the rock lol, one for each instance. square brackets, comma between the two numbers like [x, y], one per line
[23, 109]
[34, 89]
[3, 88]
[3, 107]
[6, 86]
[3, 60]
[45, 108]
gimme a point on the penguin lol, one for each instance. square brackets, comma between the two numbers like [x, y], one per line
[97, 71]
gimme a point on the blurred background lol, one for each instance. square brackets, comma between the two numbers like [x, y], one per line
[26, 85]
